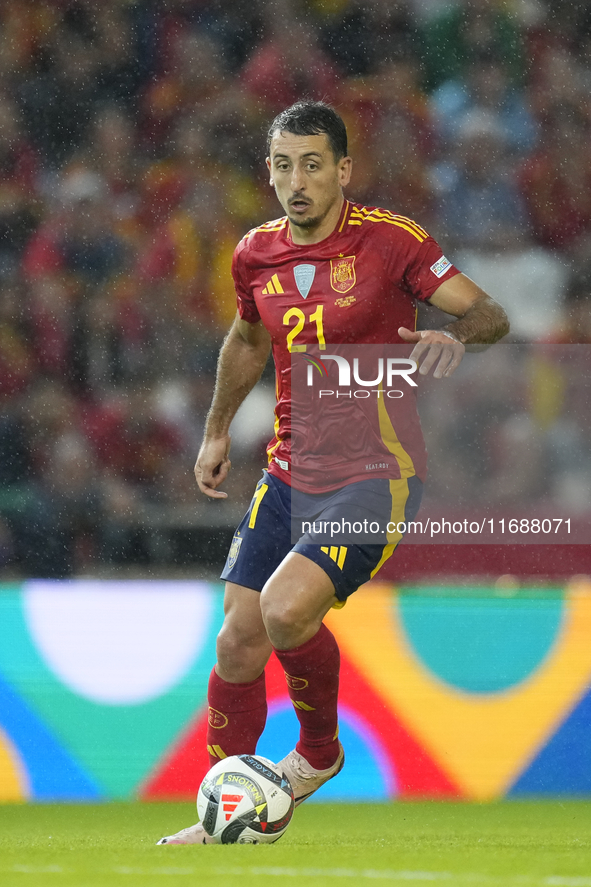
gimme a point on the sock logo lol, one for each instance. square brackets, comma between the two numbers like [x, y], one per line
[303, 706]
[216, 752]
[295, 683]
[216, 719]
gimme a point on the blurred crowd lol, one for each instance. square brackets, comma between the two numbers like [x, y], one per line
[132, 160]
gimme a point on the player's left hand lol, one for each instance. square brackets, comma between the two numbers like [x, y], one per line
[432, 346]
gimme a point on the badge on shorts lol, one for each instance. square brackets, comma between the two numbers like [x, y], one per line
[342, 273]
[234, 551]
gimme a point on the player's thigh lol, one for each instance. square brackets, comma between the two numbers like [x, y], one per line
[315, 577]
[349, 565]
[295, 600]
[243, 620]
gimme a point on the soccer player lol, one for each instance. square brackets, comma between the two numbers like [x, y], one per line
[329, 271]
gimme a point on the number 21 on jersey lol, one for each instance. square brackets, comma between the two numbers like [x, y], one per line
[300, 321]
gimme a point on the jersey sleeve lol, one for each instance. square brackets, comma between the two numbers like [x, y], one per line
[247, 308]
[426, 268]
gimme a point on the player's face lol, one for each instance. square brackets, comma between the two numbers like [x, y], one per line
[308, 182]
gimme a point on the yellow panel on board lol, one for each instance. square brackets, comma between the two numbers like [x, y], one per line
[12, 779]
[483, 741]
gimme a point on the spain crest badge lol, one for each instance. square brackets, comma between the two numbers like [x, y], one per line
[342, 273]
[234, 550]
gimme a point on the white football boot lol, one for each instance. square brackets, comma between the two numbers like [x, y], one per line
[194, 834]
[305, 780]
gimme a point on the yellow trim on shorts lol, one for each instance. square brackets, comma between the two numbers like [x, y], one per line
[257, 499]
[400, 493]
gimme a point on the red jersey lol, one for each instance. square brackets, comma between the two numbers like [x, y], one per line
[357, 286]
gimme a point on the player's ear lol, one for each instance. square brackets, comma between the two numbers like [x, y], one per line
[345, 169]
[268, 162]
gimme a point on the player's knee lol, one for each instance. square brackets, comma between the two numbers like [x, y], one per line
[285, 622]
[241, 655]
[234, 642]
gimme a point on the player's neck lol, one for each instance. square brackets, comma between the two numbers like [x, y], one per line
[304, 236]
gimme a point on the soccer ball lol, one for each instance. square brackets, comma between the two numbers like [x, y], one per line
[245, 800]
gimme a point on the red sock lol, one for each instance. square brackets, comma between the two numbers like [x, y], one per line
[236, 716]
[312, 675]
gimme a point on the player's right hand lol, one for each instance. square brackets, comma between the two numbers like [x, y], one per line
[434, 348]
[212, 466]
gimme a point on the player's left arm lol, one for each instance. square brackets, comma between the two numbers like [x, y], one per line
[480, 321]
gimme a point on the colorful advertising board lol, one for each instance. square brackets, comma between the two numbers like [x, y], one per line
[470, 692]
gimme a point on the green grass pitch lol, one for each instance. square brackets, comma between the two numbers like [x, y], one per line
[514, 843]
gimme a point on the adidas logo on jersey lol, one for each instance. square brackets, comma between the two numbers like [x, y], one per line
[273, 287]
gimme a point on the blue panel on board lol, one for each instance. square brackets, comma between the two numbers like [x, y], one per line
[563, 765]
[53, 775]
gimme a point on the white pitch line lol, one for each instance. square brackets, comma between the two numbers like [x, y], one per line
[333, 873]
[558, 881]
[408, 875]
[369, 874]
[342, 873]
[164, 870]
[37, 869]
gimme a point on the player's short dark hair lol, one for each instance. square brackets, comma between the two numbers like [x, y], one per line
[309, 118]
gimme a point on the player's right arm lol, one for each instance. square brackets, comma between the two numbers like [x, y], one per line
[242, 359]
